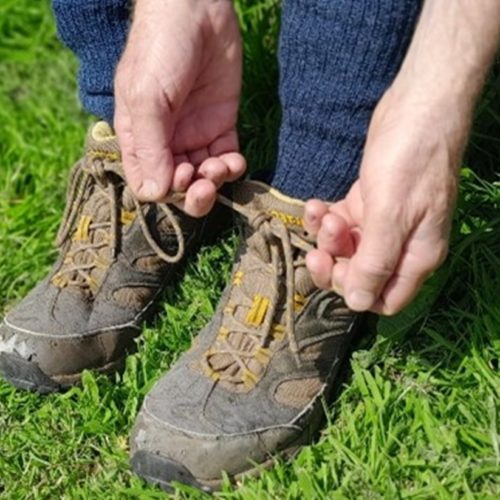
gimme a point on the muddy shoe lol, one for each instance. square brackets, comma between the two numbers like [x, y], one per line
[115, 257]
[251, 386]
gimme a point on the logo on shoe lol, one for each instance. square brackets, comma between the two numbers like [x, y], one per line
[287, 219]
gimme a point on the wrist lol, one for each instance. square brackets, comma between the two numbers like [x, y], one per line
[432, 119]
[452, 85]
[158, 11]
[448, 95]
[205, 17]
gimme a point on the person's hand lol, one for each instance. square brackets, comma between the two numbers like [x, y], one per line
[379, 244]
[177, 92]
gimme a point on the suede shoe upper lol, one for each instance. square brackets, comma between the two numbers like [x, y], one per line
[115, 256]
[251, 384]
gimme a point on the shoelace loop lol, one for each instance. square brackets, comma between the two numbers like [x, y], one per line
[95, 170]
[270, 228]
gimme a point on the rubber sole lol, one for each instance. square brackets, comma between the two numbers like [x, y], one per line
[160, 471]
[28, 376]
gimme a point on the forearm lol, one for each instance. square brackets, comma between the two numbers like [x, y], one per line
[452, 49]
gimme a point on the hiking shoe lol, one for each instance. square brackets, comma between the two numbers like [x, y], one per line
[115, 257]
[251, 386]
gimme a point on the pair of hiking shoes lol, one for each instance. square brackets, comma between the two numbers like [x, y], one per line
[251, 386]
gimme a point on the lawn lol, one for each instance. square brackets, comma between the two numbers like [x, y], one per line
[417, 414]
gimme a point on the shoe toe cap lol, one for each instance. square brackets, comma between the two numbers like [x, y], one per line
[173, 426]
[47, 310]
[201, 459]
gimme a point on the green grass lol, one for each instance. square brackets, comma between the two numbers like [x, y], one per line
[417, 415]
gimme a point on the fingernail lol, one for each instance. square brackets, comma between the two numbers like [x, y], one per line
[361, 300]
[150, 189]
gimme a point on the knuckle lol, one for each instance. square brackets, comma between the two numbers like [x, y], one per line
[136, 93]
[434, 258]
[375, 268]
[384, 210]
[140, 89]
[332, 225]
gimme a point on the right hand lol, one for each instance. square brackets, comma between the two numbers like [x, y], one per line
[378, 245]
[177, 91]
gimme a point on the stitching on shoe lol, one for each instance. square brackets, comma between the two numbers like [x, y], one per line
[291, 425]
[90, 333]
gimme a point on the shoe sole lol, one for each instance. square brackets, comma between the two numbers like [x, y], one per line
[160, 471]
[28, 376]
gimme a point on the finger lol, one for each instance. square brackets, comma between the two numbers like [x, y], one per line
[334, 236]
[200, 198]
[351, 207]
[339, 273]
[215, 170]
[320, 265]
[183, 177]
[314, 211]
[227, 143]
[398, 293]
[419, 260]
[123, 129]
[150, 123]
[236, 165]
[198, 157]
[375, 260]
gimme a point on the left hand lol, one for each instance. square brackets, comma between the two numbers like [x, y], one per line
[177, 91]
[378, 245]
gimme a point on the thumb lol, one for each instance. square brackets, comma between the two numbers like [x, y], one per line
[375, 260]
[143, 124]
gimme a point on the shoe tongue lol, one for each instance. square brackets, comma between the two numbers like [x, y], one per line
[102, 144]
[259, 299]
[256, 197]
[101, 137]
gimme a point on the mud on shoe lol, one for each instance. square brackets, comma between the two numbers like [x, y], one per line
[115, 257]
[251, 386]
